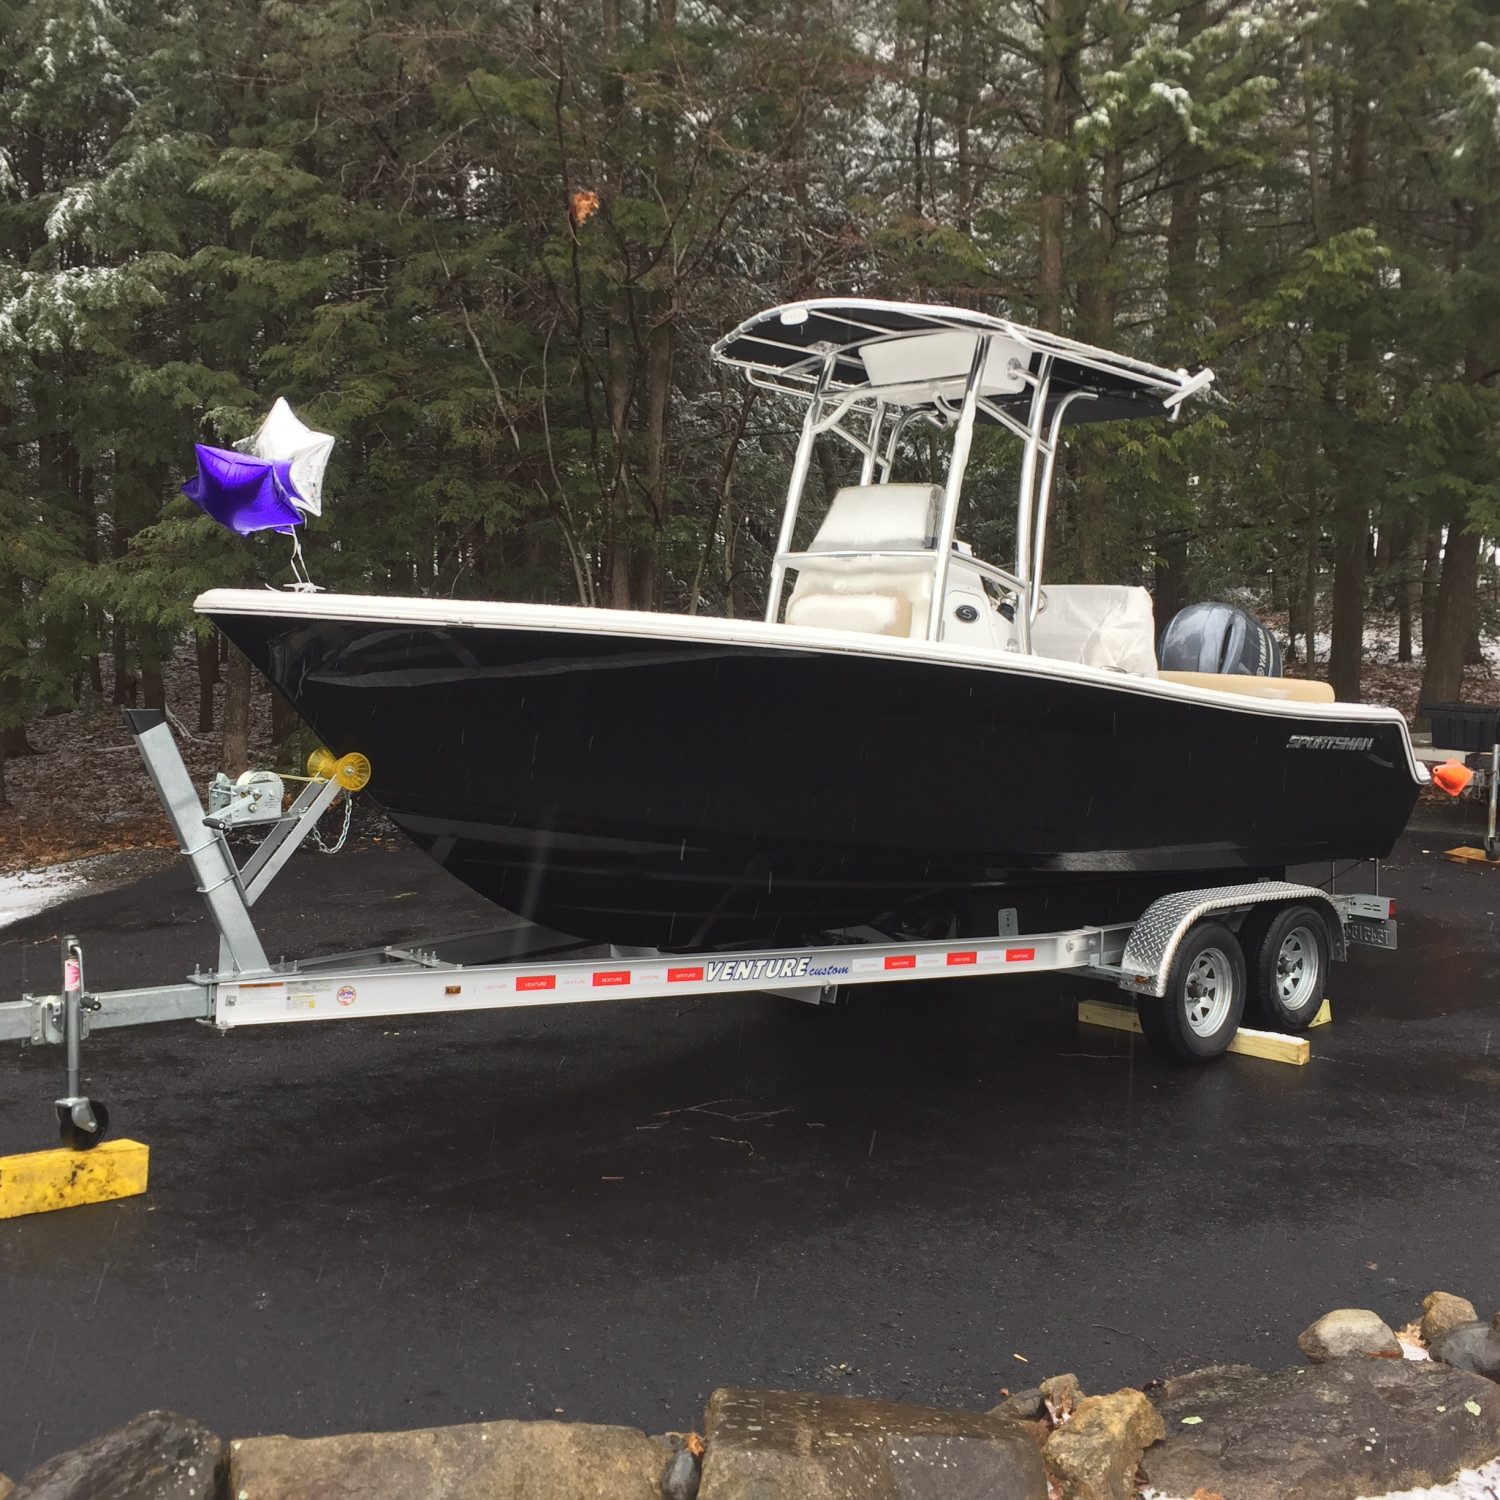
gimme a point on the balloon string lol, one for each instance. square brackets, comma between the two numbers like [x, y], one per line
[304, 583]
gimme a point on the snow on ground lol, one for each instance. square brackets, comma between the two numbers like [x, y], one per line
[33, 890]
[1468, 1484]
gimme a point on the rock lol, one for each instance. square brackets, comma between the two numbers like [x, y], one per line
[1349, 1331]
[783, 1445]
[7, 1484]
[681, 1477]
[1060, 1394]
[1323, 1432]
[477, 1461]
[1095, 1454]
[158, 1455]
[1024, 1406]
[1441, 1311]
[1471, 1346]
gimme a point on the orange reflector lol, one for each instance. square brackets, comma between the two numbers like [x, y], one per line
[1452, 777]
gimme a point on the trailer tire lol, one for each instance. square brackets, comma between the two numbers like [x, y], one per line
[1197, 1017]
[1287, 953]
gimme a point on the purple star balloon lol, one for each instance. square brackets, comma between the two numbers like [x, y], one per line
[243, 493]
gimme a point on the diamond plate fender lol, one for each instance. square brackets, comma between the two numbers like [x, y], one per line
[1154, 940]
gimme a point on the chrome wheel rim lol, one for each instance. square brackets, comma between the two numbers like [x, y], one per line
[1209, 991]
[1297, 969]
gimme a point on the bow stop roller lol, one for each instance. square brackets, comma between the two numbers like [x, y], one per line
[351, 771]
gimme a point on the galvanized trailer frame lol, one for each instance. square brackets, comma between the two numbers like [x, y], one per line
[247, 989]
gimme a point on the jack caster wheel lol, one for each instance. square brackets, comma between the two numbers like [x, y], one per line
[1287, 956]
[1195, 1021]
[74, 1136]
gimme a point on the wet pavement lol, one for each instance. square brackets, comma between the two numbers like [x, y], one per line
[604, 1212]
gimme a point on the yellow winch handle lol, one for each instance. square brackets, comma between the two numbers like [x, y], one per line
[351, 771]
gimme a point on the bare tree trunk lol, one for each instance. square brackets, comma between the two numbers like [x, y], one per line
[125, 684]
[1314, 152]
[1351, 517]
[612, 86]
[1059, 46]
[1474, 644]
[617, 398]
[1432, 562]
[234, 753]
[1443, 657]
[1346, 653]
[1310, 581]
[721, 495]
[1170, 590]
[1406, 594]
[659, 360]
[207, 650]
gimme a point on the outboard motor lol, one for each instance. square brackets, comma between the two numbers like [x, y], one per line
[1218, 638]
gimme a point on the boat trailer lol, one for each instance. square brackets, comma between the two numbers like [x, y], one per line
[521, 965]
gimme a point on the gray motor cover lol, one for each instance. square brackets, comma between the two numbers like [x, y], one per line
[1218, 638]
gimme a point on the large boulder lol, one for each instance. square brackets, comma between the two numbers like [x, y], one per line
[1094, 1455]
[1471, 1346]
[1349, 1331]
[1442, 1311]
[477, 1461]
[784, 1445]
[1334, 1431]
[158, 1455]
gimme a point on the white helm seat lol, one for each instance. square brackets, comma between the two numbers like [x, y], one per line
[872, 592]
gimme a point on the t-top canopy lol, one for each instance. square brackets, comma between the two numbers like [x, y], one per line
[915, 355]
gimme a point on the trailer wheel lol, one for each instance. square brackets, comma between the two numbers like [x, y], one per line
[1197, 1017]
[74, 1137]
[1287, 955]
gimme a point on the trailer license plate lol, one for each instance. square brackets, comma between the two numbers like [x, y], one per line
[1372, 933]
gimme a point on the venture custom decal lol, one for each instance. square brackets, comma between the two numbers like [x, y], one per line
[1329, 742]
[770, 968]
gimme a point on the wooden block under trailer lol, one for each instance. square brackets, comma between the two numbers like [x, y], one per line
[1274, 1046]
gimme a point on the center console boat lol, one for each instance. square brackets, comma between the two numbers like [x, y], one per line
[913, 739]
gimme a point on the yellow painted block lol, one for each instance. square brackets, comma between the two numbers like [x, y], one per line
[1323, 1017]
[40, 1181]
[1272, 1045]
[1471, 857]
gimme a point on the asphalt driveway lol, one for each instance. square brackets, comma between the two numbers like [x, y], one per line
[604, 1212]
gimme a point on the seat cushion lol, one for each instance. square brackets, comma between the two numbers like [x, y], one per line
[1284, 689]
[882, 517]
[876, 614]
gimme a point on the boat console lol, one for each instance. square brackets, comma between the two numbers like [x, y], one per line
[885, 560]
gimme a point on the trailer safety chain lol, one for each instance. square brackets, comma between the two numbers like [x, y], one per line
[343, 837]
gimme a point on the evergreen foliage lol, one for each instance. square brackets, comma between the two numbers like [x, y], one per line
[488, 246]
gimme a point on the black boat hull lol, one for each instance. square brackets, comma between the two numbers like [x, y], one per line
[684, 790]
